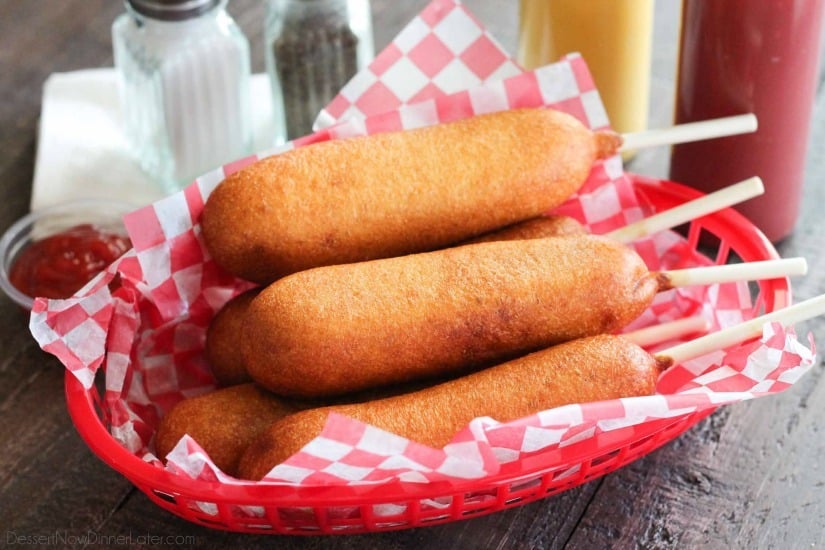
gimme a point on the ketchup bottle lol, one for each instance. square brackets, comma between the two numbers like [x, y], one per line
[750, 56]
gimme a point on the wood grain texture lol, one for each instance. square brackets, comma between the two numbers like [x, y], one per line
[749, 476]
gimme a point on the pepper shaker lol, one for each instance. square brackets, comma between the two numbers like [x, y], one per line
[184, 73]
[313, 48]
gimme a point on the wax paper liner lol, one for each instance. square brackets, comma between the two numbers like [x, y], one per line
[144, 320]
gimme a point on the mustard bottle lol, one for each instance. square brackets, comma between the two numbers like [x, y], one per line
[613, 36]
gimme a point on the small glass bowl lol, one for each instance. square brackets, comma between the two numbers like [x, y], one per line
[44, 222]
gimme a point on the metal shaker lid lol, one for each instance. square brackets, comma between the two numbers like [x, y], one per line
[172, 10]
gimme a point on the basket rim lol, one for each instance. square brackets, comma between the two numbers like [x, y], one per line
[144, 474]
[751, 245]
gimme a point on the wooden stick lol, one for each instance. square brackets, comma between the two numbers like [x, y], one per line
[692, 131]
[749, 271]
[691, 210]
[744, 331]
[654, 334]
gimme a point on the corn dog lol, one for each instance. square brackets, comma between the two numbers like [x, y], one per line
[536, 228]
[223, 422]
[344, 328]
[223, 337]
[397, 193]
[225, 333]
[580, 371]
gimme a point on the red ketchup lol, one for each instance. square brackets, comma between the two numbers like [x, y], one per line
[59, 265]
[750, 56]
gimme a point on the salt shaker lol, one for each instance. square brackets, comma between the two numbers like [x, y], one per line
[313, 48]
[184, 74]
[750, 56]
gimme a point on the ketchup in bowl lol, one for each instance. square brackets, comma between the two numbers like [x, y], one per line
[59, 265]
[52, 252]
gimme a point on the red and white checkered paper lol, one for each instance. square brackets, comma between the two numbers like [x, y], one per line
[443, 50]
[144, 319]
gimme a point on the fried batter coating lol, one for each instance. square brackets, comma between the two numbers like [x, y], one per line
[396, 193]
[580, 371]
[223, 340]
[344, 328]
[535, 228]
[223, 422]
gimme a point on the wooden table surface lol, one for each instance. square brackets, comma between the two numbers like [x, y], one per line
[749, 476]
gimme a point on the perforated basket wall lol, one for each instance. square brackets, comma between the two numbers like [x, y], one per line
[399, 505]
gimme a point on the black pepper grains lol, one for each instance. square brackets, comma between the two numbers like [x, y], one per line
[313, 50]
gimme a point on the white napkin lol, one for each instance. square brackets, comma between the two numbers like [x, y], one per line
[82, 151]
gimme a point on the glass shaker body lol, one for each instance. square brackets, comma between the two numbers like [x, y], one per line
[750, 56]
[184, 92]
[313, 48]
[614, 38]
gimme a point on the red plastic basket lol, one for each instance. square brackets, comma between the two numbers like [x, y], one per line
[358, 509]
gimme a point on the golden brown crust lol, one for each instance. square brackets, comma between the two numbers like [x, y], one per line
[223, 422]
[343, 328]
[537, 228]
[581, 371]
[394, 193]
[223, 341]
[608, 143]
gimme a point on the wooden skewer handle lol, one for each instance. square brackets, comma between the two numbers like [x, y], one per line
[727, 273]
[655, 334]
[691, 210]
[730, 336]
[692, 131]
